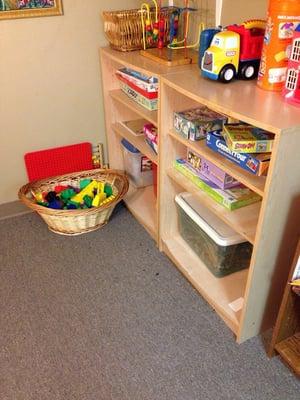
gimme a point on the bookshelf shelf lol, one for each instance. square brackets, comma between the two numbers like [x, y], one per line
[122, 98]
[137, 141]
[255, 183]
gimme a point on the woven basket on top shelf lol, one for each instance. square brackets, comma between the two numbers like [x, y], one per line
[124, 29]
[75, 222]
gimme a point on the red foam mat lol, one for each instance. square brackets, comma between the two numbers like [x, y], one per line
[58, 161]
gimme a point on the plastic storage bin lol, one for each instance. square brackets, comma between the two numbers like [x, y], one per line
[137, 166]
[221, 249]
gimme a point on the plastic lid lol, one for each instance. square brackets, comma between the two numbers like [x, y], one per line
[210, 223]
[129, 146]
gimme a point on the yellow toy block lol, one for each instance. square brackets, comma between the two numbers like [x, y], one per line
[100, 187]
[100, 197]
[108, 200]
[87, 191]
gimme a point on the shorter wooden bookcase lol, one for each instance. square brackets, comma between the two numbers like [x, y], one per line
[286, 334]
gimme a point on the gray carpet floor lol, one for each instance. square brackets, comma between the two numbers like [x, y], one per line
[107, 316]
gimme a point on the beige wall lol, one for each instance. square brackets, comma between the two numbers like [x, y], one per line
[237, 11]
[50, 89]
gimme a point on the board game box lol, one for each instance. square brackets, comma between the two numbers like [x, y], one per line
[215, 174]
[151, 136]
[231, 199]
[139, 98]
[149, 95]
[243, 138]
[194, 123]
[256, 164]
[144, 82]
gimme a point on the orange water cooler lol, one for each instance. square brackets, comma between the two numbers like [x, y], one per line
[282, 19]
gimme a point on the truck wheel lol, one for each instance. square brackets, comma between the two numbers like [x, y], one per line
[248, 72]
[227, 74]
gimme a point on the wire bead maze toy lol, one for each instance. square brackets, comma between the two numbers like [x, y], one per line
[182, 44]
[154, 34]
[152, 31]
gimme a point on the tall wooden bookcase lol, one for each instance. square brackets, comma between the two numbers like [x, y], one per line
[271, 225]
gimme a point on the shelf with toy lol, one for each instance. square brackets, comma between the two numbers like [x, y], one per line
[221, 293]
[255, 183]
[137, 141]
[119, 96]
[142, 204]
[240, 100]
[243, 220]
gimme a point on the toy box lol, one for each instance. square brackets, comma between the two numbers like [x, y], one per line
[221, 249]
[231, 199]
[244, 138]
[144, 82]
[150, 104]
[151, 136]
[256, 164]
[210, 170]
[194, 123]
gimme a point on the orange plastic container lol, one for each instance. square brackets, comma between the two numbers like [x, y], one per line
[282, 19]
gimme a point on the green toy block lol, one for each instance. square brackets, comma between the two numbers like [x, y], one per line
[88, 201]
[108, 189]
[74, 203]
[67, 194]
[84, 182]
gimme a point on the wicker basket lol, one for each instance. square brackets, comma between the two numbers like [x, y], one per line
[75, 222]
[124, 30]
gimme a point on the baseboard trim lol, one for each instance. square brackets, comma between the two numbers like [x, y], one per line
[13, 209]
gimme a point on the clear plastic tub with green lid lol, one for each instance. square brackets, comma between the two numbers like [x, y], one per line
[220, 248]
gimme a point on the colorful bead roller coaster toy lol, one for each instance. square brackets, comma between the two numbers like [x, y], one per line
[176, 52]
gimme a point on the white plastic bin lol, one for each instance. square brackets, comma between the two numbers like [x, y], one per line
[137, 166]
[221, 249]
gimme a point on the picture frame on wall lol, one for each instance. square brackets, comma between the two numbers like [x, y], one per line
[10, 9]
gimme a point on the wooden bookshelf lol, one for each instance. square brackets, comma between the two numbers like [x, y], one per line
[270, 225]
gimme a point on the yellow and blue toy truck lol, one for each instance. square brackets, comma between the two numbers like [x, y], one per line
[234, 52]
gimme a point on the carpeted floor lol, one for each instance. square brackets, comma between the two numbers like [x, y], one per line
[106, 316]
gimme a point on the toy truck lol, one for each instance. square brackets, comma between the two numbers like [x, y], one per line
[234, 52]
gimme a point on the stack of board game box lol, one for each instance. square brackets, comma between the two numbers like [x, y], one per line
[224, 189]
[140, 88]
[243, 144]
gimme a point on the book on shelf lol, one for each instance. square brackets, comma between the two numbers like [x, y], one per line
[244, 138]
[231, 199]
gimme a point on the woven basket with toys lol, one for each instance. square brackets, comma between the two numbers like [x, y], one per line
[76, 203]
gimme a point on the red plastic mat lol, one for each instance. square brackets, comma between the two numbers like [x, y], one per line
[58, 161]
